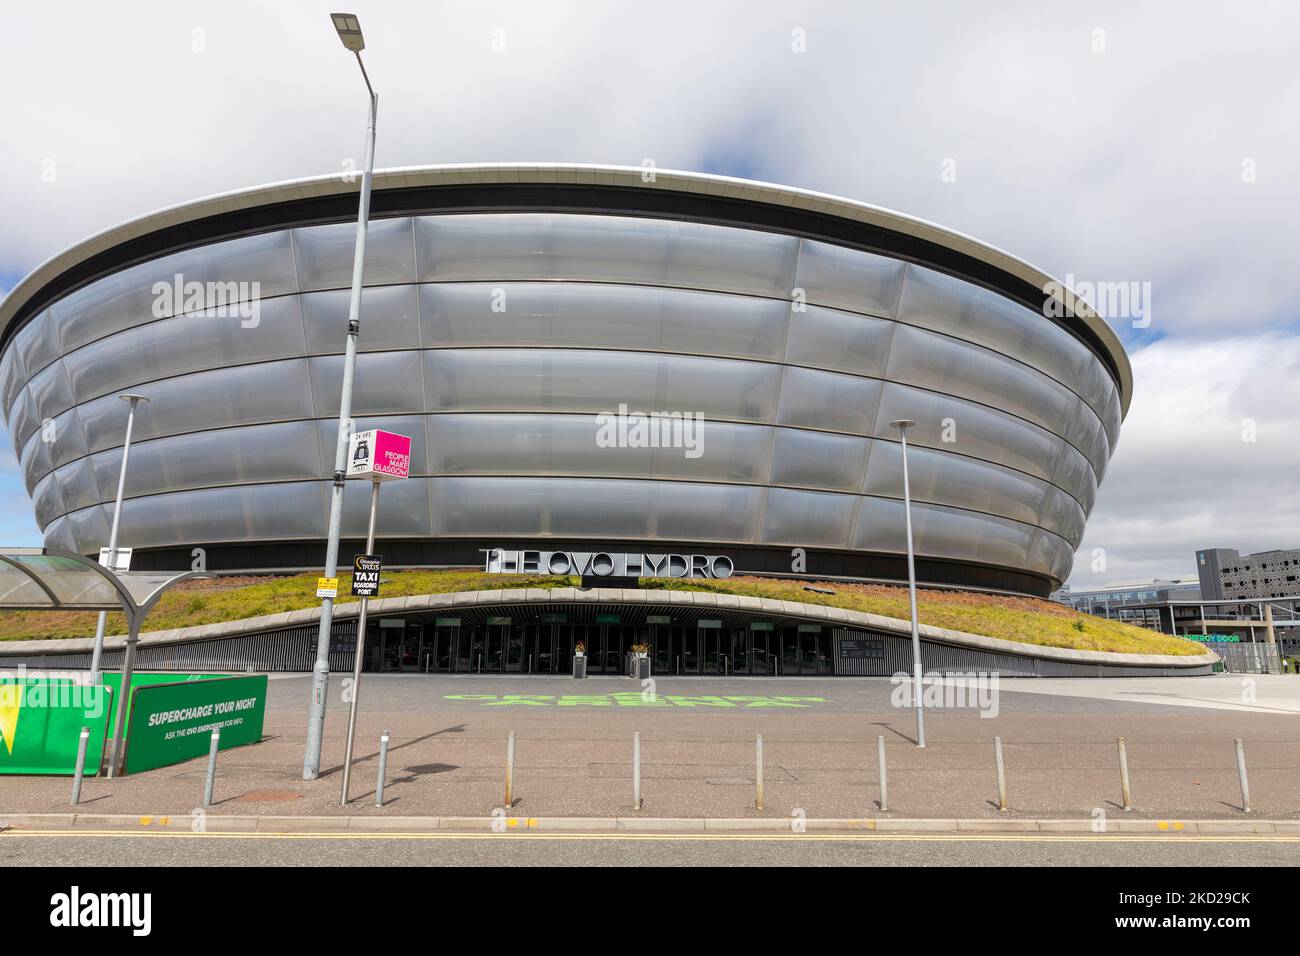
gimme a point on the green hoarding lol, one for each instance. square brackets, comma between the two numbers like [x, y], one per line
[172, 723]
[139, 680]
[41, 721]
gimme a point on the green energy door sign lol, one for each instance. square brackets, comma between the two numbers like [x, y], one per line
[172, 723]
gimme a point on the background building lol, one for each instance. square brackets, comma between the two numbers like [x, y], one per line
[1111, 599]
[508, 306]
[1226, 574]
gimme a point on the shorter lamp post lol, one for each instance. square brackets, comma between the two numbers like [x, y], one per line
[359, 654]
[379, 456]
[98, 651]
[903, 424]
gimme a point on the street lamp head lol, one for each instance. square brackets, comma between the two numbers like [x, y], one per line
[902, 424]
[349, 30]
[134, 398]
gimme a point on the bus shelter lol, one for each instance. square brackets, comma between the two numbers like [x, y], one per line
[49, 579]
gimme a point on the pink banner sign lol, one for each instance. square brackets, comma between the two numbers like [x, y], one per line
[379, 455]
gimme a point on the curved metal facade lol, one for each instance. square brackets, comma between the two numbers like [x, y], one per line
[495, 338]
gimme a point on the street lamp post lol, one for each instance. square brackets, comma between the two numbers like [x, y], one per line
[903, 424]
[359, 654]
[98, 652]
[349, 31]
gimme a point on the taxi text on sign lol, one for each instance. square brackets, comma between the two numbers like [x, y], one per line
[366, 569]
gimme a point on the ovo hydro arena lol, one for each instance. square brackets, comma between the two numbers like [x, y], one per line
[605, 364]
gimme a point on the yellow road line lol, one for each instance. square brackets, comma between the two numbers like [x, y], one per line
[727, 837]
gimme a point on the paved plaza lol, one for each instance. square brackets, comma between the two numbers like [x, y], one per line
[574, 751]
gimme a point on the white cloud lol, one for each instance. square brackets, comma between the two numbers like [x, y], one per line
[1122, 165]
[1183, 478]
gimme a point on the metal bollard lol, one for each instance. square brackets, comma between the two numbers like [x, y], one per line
[636, 770]
[81, 765]
[383, 769]
[212, 767]
[1123, 774]
[1241, 775]
[1002, 778]
[884, 789]
[758, 780]
[510, 770]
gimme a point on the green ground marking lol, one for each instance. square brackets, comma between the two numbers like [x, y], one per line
[635, 698]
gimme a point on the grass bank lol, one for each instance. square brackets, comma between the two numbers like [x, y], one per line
[1030, 620]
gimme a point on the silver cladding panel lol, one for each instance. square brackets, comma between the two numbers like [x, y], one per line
[496, 339]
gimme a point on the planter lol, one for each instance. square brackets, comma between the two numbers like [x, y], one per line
[639, 666]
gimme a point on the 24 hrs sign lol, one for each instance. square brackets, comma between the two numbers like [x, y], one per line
[365, 575]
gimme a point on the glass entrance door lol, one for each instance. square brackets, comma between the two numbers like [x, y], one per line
[615, 641]
[808, 650]
[789, 655]
[541, 652]
[632, 636]
[661, 649]
[736, 650]
[561, 649]
[400, 649]
[494, 645]
[689, 653]
[477, 648]
[589, 636]
[513, 656]
[758, 659]
[443, 652]
[710, 640]
[465, 656]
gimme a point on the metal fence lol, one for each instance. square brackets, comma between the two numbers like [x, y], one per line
[1249, 658]
[289, 649]
[895, 656]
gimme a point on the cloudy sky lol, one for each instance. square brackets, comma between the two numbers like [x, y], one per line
[1114, 142]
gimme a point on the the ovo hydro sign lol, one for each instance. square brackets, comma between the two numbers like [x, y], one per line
[172, 723]
[608, 564]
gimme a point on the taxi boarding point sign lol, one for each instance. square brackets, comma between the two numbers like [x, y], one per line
[379, 455]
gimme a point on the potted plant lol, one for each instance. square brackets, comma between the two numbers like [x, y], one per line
[580, 649]
[580, 659]
[639, 666]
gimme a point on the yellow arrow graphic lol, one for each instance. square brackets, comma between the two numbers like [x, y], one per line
[11, 701]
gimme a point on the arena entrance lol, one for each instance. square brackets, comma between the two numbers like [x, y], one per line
[677, 644]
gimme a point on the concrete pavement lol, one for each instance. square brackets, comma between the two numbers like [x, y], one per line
[574, 750]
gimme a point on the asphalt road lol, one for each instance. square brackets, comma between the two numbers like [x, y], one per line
[449, 849]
